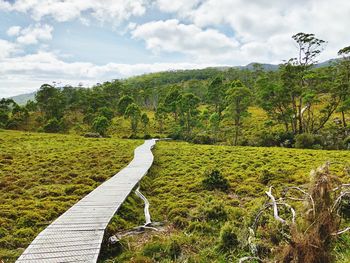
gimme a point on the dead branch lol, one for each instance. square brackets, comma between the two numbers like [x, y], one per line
[146, 209]
[337, 201]
[244, 259]
[305, 193]
[275, 208]
[341, 231]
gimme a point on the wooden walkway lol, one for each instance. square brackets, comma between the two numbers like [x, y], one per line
[76, 236]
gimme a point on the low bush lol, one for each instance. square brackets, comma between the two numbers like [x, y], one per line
[308, 141]
[213, 179]
[228, 239]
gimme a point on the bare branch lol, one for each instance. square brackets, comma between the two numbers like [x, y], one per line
[244, 259]
[275, 209]
[337, 201]
[305, 193]
[341, 231]
[146, 209]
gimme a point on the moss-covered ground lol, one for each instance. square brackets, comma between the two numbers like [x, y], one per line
[42, 175]
[195, 217]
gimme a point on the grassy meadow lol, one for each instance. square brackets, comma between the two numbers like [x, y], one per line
[195, 218]
[42, 175]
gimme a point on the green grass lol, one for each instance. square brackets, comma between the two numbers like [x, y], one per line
[195, 216]
[42, 175]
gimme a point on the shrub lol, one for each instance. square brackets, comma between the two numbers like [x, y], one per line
[214, 180]
[174, 249]
[53, 125]
[228, 237]
[215, 211]
[202, 139]
[308, 141]
[100, 125]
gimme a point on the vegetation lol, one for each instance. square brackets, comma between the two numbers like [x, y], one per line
[209, 106]
[42, 175]
[213, 225]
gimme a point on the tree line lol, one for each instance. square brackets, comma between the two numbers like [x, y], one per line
[305, 105]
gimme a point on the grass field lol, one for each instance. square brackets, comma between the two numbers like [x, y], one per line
[42, 175]
[194, 216]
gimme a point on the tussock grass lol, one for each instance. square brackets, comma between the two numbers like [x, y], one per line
[42, 175]
[201, 218]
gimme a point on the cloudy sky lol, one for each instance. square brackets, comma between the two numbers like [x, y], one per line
[90, 41]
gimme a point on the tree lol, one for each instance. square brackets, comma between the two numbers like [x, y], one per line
[214, 123]
[53, 125]
[188, 108]
[238, 98]
[160, 116]
[123, 104]
[216, 94]
[172, 102]
[6, 107]
[50, 101]
[343, 82]
[133, 112]
[144, 121]
[100, 125]
[106, 112]
[309, 48]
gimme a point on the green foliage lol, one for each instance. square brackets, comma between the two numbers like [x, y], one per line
[195, 217]
[133, 112]
[213, 179]
[42, 175]
[228, 237]
[100, 125]
[52, 125]
[123, 104]
[308, 141]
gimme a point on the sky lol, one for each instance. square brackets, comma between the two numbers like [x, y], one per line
[71, 42]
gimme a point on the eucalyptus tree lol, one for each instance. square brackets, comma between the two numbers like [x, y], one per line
[343, 82]
[238, 99]
[133, 113]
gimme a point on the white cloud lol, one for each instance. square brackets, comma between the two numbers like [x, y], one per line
[6, 48]
[32, 70]
[32, 34]
[13, 31]
[173, 36]
[264, 27]
[64, 10]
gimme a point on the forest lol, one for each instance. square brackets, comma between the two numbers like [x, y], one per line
[300, 104]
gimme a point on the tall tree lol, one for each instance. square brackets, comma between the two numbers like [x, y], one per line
[160, 116]
[188, 108]
[309, 48]
[133, 113]
[343, 83]
[238, 98]
[172, 101]
[50, 101]
[216, 94]
[124, 103]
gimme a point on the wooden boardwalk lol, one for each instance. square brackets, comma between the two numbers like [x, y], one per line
[76, 236]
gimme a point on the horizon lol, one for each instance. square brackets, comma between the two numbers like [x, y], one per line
[88, 42]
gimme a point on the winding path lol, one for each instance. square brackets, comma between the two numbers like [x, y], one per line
[76, 236]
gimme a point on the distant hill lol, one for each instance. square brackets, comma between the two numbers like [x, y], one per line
[23, 98]
[176, 76]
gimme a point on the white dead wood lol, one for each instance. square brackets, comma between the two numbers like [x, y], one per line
[341, 231]
[275, 208]
[244, 259]
[338, 200]
[146, 209]
[305, 193]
